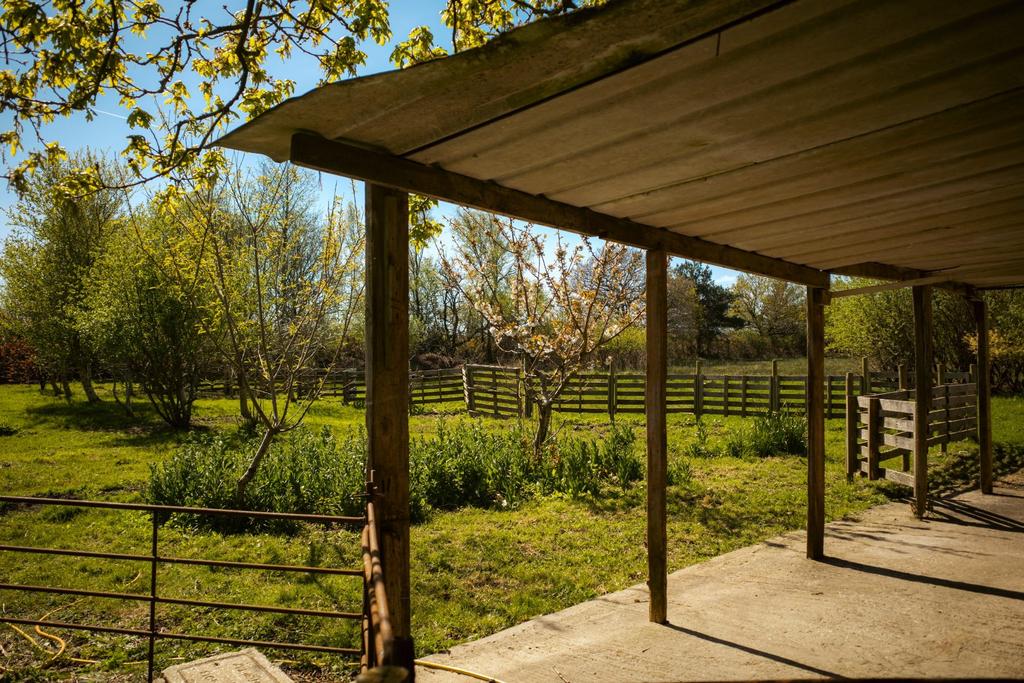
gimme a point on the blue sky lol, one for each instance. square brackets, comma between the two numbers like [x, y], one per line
[108, 129]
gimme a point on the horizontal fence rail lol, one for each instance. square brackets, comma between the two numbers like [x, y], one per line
[500, 391]
[155, 559]
[881, 426]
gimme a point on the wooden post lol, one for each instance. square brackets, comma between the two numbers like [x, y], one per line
[612, 390]
[815, 423]
[494, 392]
[945, 396]
[972, 372]
[773, 390]
[698, 390]
[874, 437]
[940, 374]
[743, 398]
[904, 382]
[852, 430]
[865, 376]
[726, 379]
[984, 379]
[387, 394]
[923, 355]
[828, 396]
[657, 440]
[468, 390]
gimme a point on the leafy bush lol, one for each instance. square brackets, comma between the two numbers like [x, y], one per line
[315, 472]
[778, 433]
[7, 430]
[700, 446]
[680, 472]
[466, 465]
[305, 472]
[737, 443]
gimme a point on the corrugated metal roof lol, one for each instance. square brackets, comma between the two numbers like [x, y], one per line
[826, 133]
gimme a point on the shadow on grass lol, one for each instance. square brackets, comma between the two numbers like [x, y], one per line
[961, 470]
[145, 429]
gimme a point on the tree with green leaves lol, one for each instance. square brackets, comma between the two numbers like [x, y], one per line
[774, 310]
[1006, 335]
[277, 274]
[144, 316]
[48, 262]
[182, 72]
[880, 325]
[712, 312]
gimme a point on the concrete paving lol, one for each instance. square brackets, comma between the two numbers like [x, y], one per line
[897, 597]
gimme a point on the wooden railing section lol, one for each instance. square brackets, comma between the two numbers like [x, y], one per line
[499, 391]
[880, 427]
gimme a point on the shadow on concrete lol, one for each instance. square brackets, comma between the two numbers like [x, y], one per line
[753, 651]
[959, 512]
[923, 578]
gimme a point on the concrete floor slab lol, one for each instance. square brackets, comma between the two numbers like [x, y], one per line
[897, 597]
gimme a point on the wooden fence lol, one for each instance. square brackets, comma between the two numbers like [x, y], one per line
[499, 391]
[880, 427]
[493, 390]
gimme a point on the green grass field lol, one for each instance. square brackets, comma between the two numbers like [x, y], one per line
[475, 571]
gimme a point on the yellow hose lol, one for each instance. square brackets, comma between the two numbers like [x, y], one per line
[455, 670]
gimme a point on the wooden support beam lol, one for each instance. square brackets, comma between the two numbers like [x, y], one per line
[815, 423]
[984, 378]
[373, 166]
[923, 357]
[871, 289]
[387, 393]
[657, 440]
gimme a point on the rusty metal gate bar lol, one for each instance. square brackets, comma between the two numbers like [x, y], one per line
[155, 559]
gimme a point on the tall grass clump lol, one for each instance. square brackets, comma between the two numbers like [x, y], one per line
[778, 433]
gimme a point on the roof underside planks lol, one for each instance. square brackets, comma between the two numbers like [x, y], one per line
[786, 138]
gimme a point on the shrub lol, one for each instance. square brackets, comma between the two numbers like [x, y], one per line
[619, 457]
[7, 430]
[305, 472]
[315, 472]
[778, 433]
[737, 443]
[699, 447]
[680, 472]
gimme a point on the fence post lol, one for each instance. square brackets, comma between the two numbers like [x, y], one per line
[904, 384]
[874, 437]
[698, 390]
[743, 400]
[773, 388]
[865, 376]
[612, 390]
[973, 372]
[521, 390]
[945, 394]
[940, 374]
[494, 391]
[725, 395]
[468, 389]
[828, 396]
[852, 431]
